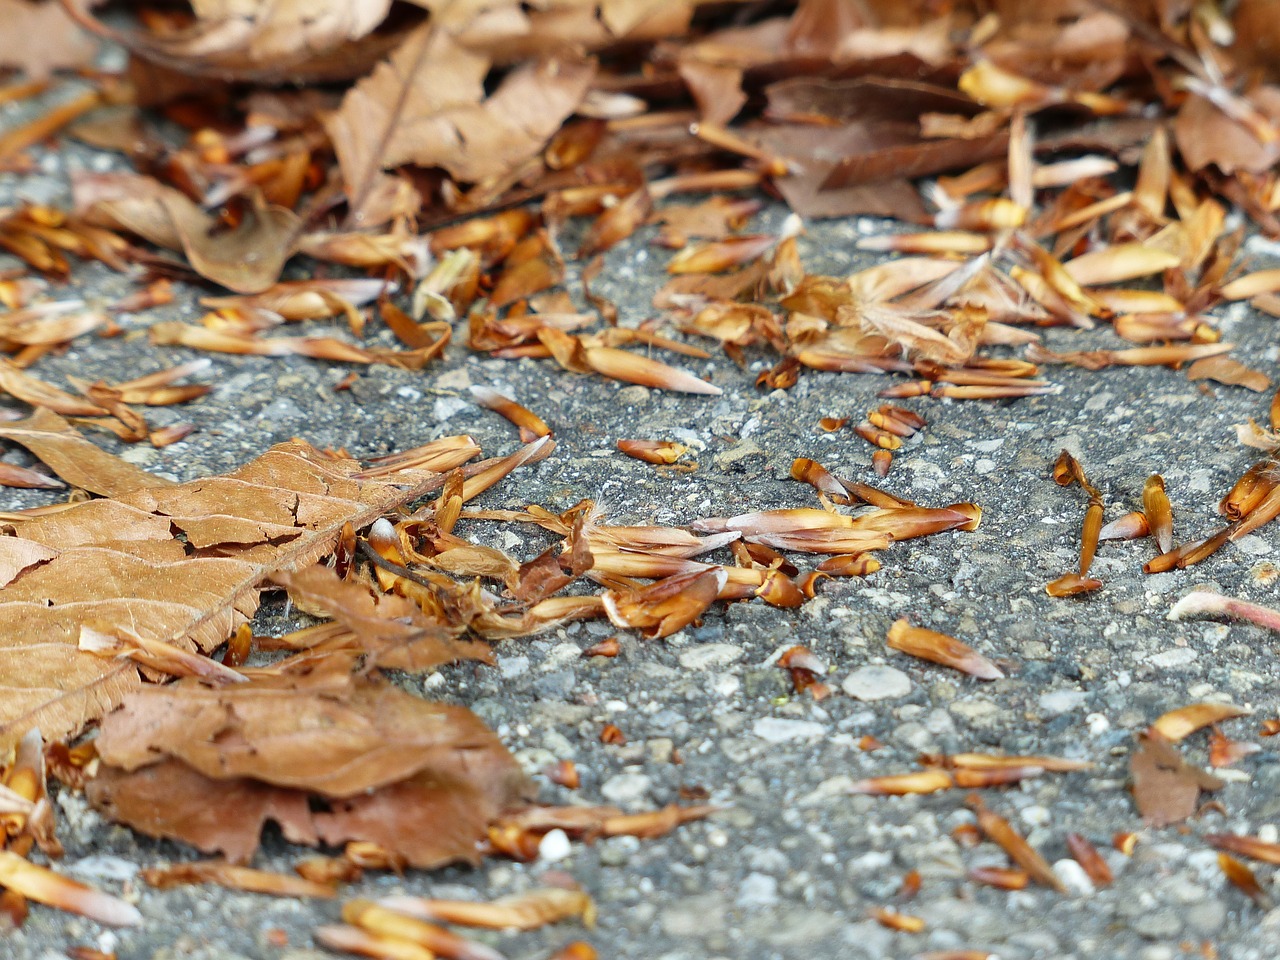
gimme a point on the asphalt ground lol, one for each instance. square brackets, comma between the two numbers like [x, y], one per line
[793, 864]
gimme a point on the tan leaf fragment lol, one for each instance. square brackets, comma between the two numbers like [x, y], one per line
[231, 40]
[248, 259]
[1230, 372]
[39, 38]
[73, 458]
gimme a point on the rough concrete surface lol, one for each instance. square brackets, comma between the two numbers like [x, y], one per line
[793, 864]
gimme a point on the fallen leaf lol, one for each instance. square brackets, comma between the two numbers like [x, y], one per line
[232, 41]
[1165, 787]
[379, 760]
[246, 259]
[426, 106]
[73, 458]
[281, 512]
[328, 734]
[1230, 372]
[39, 38]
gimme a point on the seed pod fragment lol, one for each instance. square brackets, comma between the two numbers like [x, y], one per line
[653, 451]
[1250, 847]
[1178, 724]
[1155, 505]
[897, 785]
[1001, 832]
[902, 922]
[1005, 878]
[1130, 526]
[942, 649]
[1086, 854]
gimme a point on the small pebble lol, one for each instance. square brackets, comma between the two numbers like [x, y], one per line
[554, 846]
[780, 730]
[624, 788]
[877, 683]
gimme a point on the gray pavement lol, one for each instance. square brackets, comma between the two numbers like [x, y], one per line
[792, 866]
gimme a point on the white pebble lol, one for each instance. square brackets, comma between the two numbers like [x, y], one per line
[780, 730]
[554, 846]
[1073, 878]
[877, 683]
[626, 788]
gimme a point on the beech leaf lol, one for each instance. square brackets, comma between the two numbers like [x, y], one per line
[1165, 787]
[232, 40]
[118, 562]
[327, 757]
[39, 38]
[426, 106]
[328, 733]
[248, 259]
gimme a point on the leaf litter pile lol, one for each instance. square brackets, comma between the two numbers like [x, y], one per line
[1082, 165]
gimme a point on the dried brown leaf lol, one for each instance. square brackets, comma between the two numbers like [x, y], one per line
[1165, 787]
[426, 105]
[331, 734]
[1230, 372]
[39, 38]
[281, 512]
[247, 259]
[280, 41]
